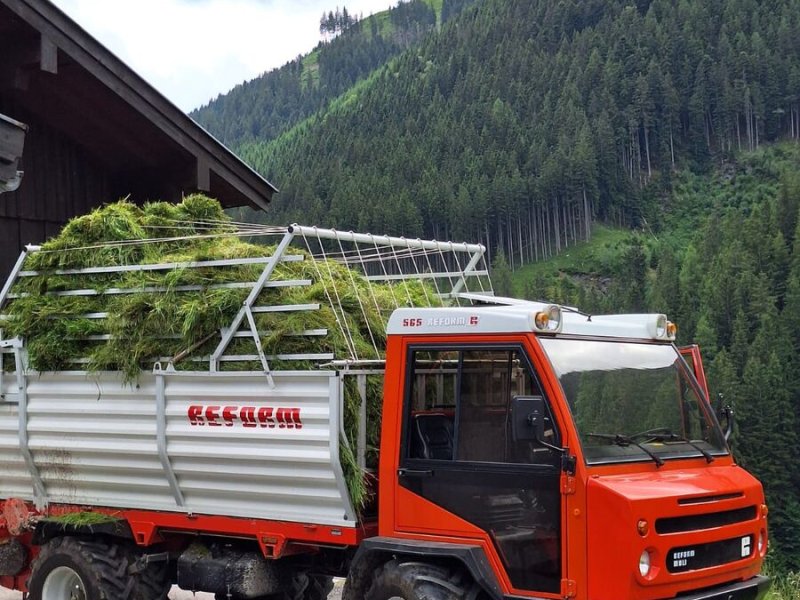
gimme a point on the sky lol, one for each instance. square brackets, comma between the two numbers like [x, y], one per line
[193, 50]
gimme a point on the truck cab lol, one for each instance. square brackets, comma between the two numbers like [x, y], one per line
[555, 454]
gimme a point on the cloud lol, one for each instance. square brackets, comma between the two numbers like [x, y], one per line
[193, 50]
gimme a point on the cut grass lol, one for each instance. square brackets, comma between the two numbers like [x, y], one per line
[159, 318]
[83, 519]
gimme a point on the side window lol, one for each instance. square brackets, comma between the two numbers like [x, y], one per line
[460, 406]
[431, 424]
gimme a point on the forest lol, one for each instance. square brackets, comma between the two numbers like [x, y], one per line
[528, 124]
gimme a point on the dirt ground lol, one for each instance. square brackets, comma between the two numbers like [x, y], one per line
[176, 594]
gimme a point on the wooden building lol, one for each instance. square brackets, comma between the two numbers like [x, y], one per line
[96, 132]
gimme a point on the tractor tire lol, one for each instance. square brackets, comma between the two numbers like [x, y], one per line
[153, 582]
[318, 588]
[71, 569]
[398, 580]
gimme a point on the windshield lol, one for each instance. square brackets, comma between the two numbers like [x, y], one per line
[633, 401]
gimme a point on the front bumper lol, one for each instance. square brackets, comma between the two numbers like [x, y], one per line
[752, 589]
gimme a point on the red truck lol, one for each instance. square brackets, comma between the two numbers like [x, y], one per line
[527, 451]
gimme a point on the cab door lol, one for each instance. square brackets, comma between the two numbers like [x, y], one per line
[459, 454]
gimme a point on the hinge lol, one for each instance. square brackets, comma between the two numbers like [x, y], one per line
[569, 589]
[568, 485]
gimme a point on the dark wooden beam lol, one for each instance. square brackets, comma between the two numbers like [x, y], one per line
[203, 175]
[48, 56]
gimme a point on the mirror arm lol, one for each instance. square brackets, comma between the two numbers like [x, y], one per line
[728, 412]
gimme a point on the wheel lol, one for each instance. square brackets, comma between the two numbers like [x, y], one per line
[152, 581]
[71, 569]
[420, 581]
[311, 587]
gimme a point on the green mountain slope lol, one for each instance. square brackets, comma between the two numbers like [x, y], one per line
[525, 121]
[267, 106]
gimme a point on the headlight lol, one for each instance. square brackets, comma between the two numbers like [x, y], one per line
[644, 564]
[548, 320]
[762, 546]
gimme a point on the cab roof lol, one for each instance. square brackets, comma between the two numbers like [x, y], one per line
[520, 317]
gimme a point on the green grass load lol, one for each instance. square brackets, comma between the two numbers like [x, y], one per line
[160, 318]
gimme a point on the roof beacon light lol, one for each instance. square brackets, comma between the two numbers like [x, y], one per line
[672, 330]
[548, 320]
[664, 329]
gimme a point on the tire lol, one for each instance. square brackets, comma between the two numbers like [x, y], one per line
[153, 582]
[72, 569]
[319, 586]
[420, 581]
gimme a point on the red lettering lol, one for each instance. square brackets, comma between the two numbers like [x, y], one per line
[265, 417]
[212, 414]
[196, 415]
[295, 416]
[473, 320]
[248, 416]
[229, 415]
[280, 415]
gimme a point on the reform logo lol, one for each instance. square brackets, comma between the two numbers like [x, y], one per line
[267, 417]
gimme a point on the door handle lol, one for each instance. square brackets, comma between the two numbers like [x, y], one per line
[415, 472]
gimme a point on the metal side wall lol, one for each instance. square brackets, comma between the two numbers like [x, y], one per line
[99, 442]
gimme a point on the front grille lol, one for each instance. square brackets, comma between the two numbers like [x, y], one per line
[702, 556]
[705, 521]
[714, 498]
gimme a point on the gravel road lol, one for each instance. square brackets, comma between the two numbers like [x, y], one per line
[176, 594]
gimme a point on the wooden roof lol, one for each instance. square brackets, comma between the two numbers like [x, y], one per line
[58, 72]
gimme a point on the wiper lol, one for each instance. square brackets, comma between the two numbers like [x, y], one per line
[624, 441]
[666, 435]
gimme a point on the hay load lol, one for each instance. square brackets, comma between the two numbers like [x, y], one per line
[127, 286]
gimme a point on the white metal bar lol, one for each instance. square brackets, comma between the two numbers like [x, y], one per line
[304, 333]
[161, 438]
[177, 288]
[366, 238]
[239, 334]
[362, 422]
[257, 339]
[336, 407]
[234, 358]
[4, 294]
[434, 276]
[251, 298]
[285, 308]
[255, 309]
[230, 262]
[39, 491]
[462, 282]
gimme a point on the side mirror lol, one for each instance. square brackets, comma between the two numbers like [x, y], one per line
[528, 416]
[726, 412]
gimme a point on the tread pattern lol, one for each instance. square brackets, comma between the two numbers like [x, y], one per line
[103, 566]
[420, 581]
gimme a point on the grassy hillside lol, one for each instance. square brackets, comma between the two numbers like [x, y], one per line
[266, 107]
